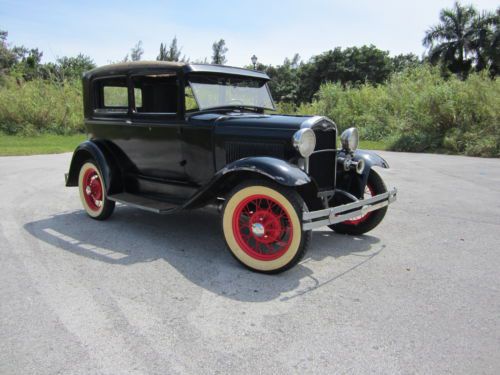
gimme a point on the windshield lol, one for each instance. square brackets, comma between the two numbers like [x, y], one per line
[217, 91]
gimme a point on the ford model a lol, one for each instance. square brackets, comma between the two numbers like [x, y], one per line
[169, 136]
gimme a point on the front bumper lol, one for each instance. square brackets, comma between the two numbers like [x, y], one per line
[329, 216]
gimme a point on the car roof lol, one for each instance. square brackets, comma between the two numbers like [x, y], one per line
[141, 67]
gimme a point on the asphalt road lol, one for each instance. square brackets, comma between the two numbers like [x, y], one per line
[148, 294]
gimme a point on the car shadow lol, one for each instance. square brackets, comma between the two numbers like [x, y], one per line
[192, 243]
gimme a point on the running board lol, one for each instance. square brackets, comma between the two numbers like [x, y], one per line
[144, 203]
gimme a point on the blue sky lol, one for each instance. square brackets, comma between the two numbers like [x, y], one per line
[106, 30]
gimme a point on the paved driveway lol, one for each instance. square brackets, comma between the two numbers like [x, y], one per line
[148, 294]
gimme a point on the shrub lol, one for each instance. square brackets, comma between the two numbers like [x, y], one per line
[418, 110]
[39, 106]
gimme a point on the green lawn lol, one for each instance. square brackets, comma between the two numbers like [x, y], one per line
[43, 144]
[373, 145]
[54, 144]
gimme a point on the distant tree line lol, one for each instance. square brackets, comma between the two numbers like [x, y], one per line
[464, 40]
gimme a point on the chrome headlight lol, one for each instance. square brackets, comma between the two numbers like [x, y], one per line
[350, 139]
[304, 141]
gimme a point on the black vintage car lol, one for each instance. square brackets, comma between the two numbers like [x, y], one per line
[170, 136]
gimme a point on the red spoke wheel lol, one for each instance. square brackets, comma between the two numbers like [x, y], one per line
[369, 192]
[365, 223]
[262, 227]
[92, 192]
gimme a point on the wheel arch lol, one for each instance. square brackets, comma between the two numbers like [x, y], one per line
[105, 162]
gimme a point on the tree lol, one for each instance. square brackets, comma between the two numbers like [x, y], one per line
[219, 50]
[354, 66]
[74, 67]
[7, 57]
[405, 61]
[136, 52]
[451, 42]
[495, 45]
[172, 54]
[486, 42]
[284, 84]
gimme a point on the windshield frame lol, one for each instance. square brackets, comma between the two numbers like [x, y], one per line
[229, 106]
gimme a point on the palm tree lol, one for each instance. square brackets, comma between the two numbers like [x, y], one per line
[452, 40]
[485, 41]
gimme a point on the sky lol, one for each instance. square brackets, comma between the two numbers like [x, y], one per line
[272, 30]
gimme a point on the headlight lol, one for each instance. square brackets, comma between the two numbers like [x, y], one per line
[304, 141]
[350, 139]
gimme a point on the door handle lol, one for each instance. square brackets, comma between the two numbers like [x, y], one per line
[128, 122]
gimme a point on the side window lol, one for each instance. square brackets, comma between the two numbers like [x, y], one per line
[111, 95]
[156, 94]
[190, 101]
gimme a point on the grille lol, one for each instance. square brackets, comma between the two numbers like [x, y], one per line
[322, 164]
[238, 150]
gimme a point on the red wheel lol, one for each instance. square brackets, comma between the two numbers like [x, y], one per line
[365, 223]
[93, 193]
[92, 186]
[369, 192]
[262, 226]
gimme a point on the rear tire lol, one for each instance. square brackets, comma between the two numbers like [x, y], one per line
[369, 221]
[262, 226]
[93, 192]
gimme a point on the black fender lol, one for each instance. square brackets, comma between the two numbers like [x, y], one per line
[225, 179]
[277, 170]
[355, 183]
[97, 151]
[371, 159]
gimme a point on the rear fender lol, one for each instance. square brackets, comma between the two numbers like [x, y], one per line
[104, 160]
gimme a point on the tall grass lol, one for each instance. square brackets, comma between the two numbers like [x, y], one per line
[40, 106]
[418, 110]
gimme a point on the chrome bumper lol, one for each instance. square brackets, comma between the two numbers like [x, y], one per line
[328, 216]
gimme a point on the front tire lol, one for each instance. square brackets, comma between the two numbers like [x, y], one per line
[93, 192]
[370, 220]
[262, 226]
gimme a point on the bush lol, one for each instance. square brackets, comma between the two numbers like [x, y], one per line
[418, 110]
[40, 106]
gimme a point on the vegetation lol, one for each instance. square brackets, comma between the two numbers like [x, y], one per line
[465, 39]
[446, 101]
[418, 110]
[219, 51]
[40, 106]
[173, 53]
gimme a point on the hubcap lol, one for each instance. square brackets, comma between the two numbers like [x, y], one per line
[258, 229]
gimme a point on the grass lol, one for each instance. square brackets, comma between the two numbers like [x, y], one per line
[11, 145]
[373, 145]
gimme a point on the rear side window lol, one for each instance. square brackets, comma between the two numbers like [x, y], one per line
[111, 95]
[115, 97]
[156, 94]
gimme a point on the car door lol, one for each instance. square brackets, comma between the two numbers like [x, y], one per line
[155, 147]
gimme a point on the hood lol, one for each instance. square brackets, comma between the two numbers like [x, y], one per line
[255, 120]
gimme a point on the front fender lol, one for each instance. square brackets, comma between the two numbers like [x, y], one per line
[277, 170]
[93, 150]
[371, 158]
[356, 183]
[226, 178]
